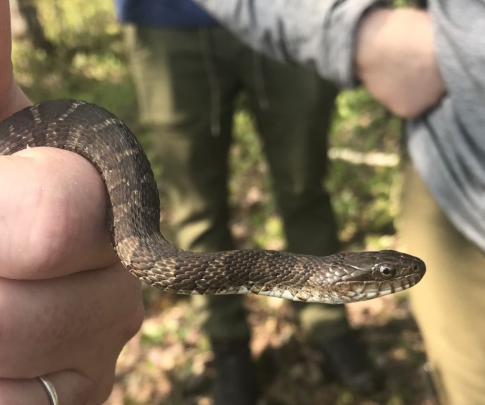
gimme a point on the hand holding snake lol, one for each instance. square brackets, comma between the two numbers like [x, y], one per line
[57, 184]
[134, 213]
[67, 306]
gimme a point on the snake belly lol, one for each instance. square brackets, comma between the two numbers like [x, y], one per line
[134, 218]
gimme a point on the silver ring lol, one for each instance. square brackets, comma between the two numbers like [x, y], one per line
[50, 390]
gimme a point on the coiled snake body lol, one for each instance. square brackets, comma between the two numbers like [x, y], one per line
[134, 216]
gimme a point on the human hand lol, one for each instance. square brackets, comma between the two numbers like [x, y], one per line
[67, 306]
[396, 61]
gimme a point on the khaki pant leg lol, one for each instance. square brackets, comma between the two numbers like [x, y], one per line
[449, 303]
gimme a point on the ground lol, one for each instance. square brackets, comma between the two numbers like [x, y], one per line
[169, 361]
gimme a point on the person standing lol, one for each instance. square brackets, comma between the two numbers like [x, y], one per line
[432, 75]
[188, 72]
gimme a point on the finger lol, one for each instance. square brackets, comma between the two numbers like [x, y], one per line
[53, 218]
[6, 74]
[75, 322]
[71, 387]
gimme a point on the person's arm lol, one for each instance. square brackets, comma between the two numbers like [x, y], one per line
[396, 61]
[391, 52]
[67, 306]
[316, 33]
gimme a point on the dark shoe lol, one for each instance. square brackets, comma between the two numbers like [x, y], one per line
[235, 382]
[346, 357]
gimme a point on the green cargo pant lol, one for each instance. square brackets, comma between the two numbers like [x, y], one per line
[449, 303]
[187, 82]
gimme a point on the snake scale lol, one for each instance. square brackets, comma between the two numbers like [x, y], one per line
[134, 217]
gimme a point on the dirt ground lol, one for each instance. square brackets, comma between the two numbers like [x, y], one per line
[169, 361]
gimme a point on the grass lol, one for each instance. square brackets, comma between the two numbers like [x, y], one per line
[169, 360]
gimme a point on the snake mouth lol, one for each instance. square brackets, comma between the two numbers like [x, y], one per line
[345, 292]
[353, 291]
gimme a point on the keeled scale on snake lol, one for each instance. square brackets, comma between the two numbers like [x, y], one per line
[134, 216]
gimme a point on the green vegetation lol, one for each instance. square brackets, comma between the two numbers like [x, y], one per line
[168, 362]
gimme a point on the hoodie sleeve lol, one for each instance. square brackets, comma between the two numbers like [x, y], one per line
[316, 33]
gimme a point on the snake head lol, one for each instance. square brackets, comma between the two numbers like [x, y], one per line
[360, 276]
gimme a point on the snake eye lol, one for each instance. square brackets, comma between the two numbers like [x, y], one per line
[387, 272]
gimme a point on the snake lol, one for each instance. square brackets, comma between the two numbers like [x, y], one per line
[133, 212]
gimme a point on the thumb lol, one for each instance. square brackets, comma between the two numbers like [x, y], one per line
[53, 219]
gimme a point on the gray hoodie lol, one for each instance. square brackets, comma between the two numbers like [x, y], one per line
[447, 144]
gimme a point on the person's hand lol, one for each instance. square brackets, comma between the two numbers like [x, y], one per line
[396, 61]
[67, 306]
